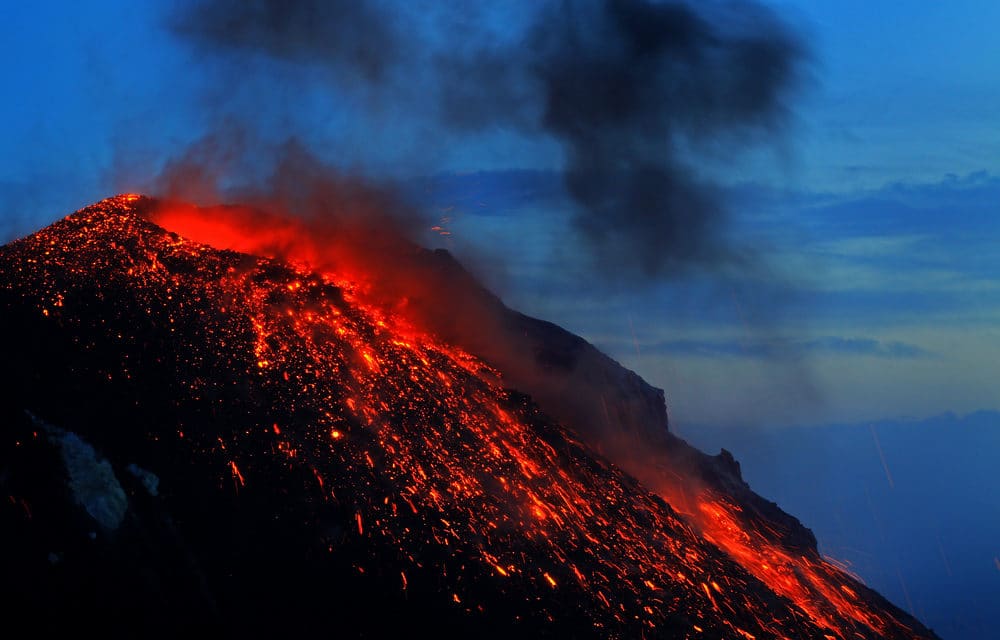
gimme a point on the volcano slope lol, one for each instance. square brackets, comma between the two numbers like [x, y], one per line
[196, 439]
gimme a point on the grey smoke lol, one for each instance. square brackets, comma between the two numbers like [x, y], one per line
[634, 92]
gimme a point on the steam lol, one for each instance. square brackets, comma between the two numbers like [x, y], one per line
[634, 93]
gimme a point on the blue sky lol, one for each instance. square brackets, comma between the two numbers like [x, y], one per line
[870, 304]
[876, 288]
[905, 91]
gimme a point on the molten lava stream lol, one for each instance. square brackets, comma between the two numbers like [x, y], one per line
[393, 371]
[818, 588]
[348, 251]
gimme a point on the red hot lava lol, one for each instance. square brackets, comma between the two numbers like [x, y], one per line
[826, 594]
[426, 448]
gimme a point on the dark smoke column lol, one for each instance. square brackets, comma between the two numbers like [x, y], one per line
[626, 86]
[634, 92]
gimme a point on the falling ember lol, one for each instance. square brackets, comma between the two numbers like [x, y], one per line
[881, 457]
[944, 557]
[236, 473]
[450, 478]
[319, 478]
[822, 590]
[906, 592]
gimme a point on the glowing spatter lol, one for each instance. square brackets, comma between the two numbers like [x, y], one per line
[427, 451]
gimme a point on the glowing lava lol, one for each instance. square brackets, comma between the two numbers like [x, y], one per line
[447, 477]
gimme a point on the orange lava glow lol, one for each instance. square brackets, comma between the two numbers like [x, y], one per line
[345, 251]
[437, 442]
[818, 588]
[824, 592]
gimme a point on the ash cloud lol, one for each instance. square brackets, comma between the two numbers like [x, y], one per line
[350, 215]
[635, 94]
[352, 37]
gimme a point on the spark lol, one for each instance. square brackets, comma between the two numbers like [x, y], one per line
[442, 458]
[236, 473]
[881, 456]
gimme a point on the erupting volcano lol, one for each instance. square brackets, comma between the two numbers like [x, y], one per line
[215, 421]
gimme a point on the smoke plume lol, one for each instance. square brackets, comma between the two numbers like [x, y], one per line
[633, 92]
[634, 95]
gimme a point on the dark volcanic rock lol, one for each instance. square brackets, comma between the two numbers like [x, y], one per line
[201, 441]
[612, 409]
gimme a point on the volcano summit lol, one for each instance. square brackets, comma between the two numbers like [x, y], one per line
[198, 439]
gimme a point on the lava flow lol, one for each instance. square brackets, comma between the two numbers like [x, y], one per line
[827, 594]
[824, 592]
[402, 463]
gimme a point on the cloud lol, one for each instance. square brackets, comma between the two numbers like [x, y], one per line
[784, 350]
[865, 347]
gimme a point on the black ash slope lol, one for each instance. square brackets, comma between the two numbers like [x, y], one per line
[200, 440]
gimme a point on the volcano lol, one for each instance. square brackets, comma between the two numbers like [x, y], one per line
[194, 438]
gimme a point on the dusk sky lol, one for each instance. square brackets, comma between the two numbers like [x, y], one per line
[872, 209]
[852, 275]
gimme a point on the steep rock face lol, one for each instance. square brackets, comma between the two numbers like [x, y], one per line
[612, 409]
[293, 459]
